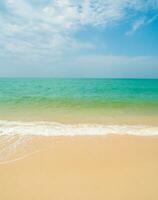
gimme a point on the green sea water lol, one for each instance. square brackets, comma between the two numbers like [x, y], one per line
[78, 99]
[49, 107]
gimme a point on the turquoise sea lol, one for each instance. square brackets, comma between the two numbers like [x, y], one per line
[70, 107]
[85, 100]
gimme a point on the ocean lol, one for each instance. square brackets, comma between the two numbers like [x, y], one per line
[54, 106]
[46, 107]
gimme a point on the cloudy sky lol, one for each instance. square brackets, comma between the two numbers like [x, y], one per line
[79, 38]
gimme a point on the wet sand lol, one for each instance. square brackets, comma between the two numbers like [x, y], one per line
[84, 168]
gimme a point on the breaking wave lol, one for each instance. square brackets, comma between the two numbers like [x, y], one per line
[20, 128]
[16, 136]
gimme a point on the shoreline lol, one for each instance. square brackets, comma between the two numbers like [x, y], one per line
[49, 128]
[86, 118]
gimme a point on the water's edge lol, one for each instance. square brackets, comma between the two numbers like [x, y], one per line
[40, 128]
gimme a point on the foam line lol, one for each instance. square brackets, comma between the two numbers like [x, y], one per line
[59, 129]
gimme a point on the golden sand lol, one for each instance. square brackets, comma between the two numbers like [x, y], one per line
[84, 168]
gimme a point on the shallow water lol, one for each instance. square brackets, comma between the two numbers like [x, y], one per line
[70, 107]
[53, 99]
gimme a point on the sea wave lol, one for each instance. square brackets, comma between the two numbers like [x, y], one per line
[17, 139]
[59, 129]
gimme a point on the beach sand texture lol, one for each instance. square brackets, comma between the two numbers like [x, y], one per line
[84, 168]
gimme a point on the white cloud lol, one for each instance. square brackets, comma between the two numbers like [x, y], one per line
[143, 21]
[136, 25]
[115, 66]
[110, 60]
[48, 28]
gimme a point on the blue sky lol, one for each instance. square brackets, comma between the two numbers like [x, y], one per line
[79, 38]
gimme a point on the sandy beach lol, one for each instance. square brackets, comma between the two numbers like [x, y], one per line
[78, 100]
[96, 167]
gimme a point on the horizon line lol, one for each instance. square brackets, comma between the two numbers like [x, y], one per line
[64, 77]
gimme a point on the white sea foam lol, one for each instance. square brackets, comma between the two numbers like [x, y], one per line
[11, 128]
[16, 136]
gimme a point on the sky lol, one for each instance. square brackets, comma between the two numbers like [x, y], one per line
[79, 38]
